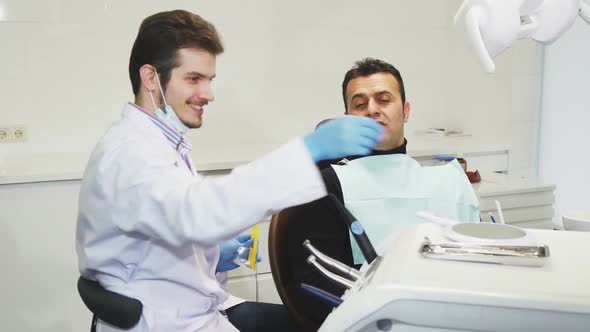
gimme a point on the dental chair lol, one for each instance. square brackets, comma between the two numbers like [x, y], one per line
[323, 122]
[281, 273]
[113, 308]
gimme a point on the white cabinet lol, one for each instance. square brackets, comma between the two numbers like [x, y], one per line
[483, 162]
[243, 287]
[240, 272]
[267, 292]
[480, 156]
[525, 202]
[38, 257]
[487, 162]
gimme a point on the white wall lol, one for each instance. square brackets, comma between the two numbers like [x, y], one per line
[38, 258]
[64, 71]
[526, 83]
[564, 134]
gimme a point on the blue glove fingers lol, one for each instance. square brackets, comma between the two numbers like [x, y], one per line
[227, 252]
[248, 243]
[363, 146]
[348, 135]
[376, 130]
[364, 140]
[258, 257]
[243, 238]
[313, 146]
[229, 247]
[370, 123]
[371, 134]
[371, 129]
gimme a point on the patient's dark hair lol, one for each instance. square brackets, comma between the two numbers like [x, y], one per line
[370, 66]
[161, 35]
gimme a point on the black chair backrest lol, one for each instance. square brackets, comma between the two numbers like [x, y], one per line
[113, 308]
[278, 257]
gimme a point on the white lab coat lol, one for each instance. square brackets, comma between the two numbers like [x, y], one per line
[148, 228]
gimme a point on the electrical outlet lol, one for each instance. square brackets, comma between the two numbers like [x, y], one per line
[19, 134]
[13, 134]
[4, 134]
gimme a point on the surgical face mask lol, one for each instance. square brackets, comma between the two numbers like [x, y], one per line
[168, 116]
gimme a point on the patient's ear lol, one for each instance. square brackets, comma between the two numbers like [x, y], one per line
[406, 111]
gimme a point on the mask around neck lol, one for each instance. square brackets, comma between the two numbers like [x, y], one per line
[169, 117]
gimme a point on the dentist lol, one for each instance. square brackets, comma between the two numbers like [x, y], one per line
[149, 227]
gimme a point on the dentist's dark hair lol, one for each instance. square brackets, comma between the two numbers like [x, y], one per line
[161, 35]
[370, 66]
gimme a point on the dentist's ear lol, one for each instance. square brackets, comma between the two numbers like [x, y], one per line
[147, 73]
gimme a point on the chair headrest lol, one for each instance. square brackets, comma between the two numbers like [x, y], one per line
[323, 122]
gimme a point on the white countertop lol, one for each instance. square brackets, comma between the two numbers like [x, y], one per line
[70, 166]
[421, 146]
[42, 168]
[493, 184]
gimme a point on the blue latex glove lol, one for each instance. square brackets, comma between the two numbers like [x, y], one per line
[349, 135]
[229, 252]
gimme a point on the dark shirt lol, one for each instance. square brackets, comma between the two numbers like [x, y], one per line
[317, 222]
[400, 149]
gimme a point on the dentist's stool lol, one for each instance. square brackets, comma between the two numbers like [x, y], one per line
[281, 273]
[113, 308]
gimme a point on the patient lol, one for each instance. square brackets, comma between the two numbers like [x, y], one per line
[371, 88]
[375, 89]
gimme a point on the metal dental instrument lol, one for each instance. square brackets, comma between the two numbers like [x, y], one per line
[330, 275]
[486, 253]
[344, 270]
